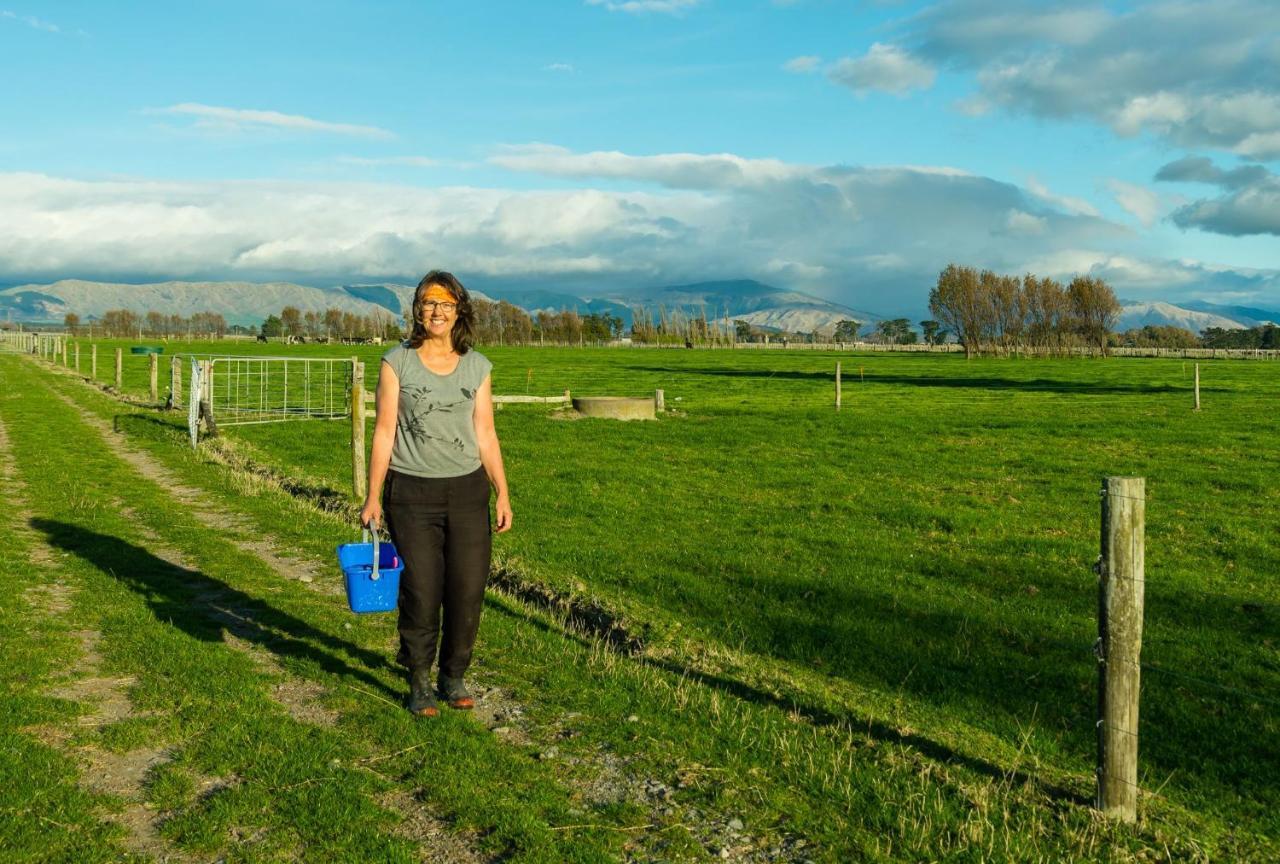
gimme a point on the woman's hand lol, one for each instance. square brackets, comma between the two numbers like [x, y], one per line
[371, 512]
[502, 513]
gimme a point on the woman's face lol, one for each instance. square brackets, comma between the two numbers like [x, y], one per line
[439, 310]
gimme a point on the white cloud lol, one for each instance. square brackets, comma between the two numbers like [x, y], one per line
[801, 65]
[1197, 74]
[873, 237]
[677, 170]
[1018, 222]
[559, 67]
[1068, 203]
[31, 21]
[1141, 202]
[242, 118]
[886, 68]
[642, 6]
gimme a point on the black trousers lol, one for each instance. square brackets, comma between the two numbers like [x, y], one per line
[441, 529]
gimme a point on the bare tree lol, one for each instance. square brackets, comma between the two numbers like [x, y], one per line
[1094, 308]
[956, 301]
[1045, 305]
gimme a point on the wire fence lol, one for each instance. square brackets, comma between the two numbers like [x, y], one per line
[252, 389]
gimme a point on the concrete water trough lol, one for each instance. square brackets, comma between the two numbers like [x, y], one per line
[616, 407]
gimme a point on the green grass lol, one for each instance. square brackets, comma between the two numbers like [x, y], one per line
[911, 575]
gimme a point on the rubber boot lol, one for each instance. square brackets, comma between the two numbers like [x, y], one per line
[422, 702]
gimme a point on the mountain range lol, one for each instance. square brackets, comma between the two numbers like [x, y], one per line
[249, 303]
[762, 305]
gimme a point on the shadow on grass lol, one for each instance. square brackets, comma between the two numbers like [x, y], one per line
[1028, 385]
[817, 714]
[203, 607]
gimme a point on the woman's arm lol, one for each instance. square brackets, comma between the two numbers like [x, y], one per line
[491, 453]
[384, 435]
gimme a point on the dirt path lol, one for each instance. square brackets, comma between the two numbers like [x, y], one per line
[203, 508]
[120, 774]
[302, 699]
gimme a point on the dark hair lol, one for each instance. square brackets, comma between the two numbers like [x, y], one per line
[463, 333]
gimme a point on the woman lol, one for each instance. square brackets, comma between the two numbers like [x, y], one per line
[435, 454]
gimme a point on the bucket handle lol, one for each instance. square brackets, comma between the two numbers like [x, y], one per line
[365, 535]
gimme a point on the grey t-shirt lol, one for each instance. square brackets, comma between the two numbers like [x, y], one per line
[435, 424]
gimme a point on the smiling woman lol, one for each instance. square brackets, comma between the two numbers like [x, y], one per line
[435, 454]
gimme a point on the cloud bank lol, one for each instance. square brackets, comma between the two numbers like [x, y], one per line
[873, 237]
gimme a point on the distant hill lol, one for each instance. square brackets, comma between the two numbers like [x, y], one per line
[1168, 315]
[1246, 315]
[239, 302]
[741, 299]
[762, 305]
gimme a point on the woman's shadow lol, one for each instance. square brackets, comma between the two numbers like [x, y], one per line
[203, 607]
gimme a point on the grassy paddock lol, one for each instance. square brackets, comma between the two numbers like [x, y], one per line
[919, 562]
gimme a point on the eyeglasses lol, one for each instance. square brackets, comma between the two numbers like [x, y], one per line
[433, 305]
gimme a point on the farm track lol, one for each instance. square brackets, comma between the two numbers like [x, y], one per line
[125, 775]
[121, 775]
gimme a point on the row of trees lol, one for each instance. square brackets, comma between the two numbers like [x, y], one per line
[995, 313]
[1266, 337]
[125, 322]
[332, 323]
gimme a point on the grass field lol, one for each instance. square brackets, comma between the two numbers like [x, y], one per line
[874, 627]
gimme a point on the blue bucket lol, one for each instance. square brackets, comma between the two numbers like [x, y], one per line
[372, 572]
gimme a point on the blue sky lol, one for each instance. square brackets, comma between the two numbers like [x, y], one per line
[850, 149]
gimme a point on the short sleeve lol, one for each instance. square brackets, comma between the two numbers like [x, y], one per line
[395, 359]
[482, 367]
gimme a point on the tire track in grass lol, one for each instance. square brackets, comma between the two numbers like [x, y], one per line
[201, 506]
[121, 775]
[301, 698]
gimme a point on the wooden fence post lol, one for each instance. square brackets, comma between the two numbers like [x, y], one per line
[154, 370]
[93, 361]
[837, 385]
[204, 411]
[175, 381]
[1119, 646]
[659, 400]
[359, 470]
[65, 364]
[120, 369]
[1197, 408]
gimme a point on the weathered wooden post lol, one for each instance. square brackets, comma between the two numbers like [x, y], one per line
[93, 361]
[205, 409]
[65, 364]
[175, 381]
[837, 385]
[77, 353]
[567, 400]
[1197, 408]
[659, 400]
[1121, 569]
[359, 475]
[120, 369]
[154, 370]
